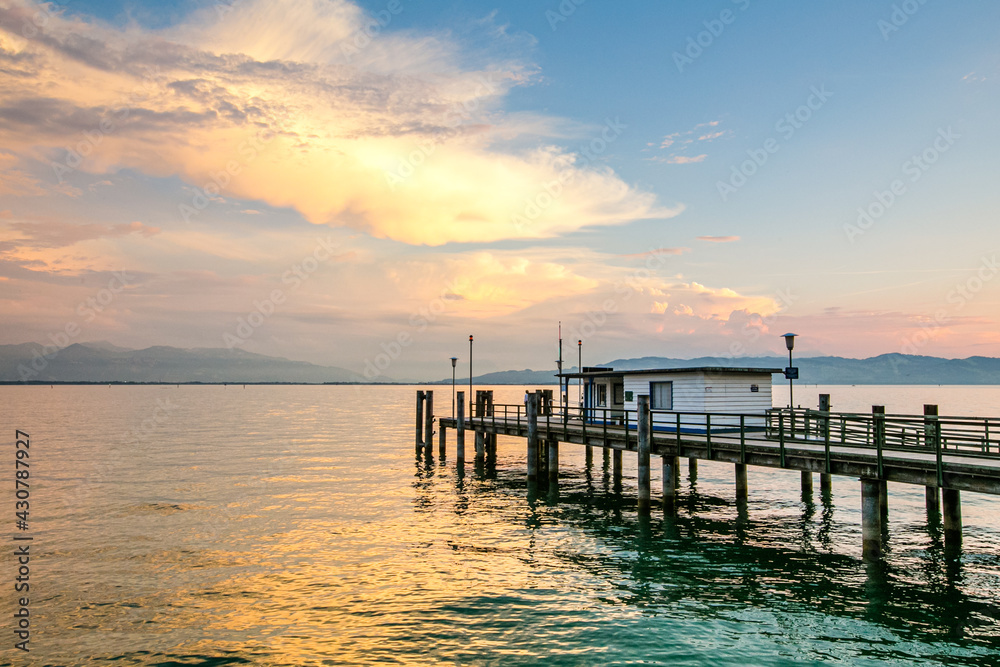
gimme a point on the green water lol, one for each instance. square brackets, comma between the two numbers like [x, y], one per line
[294, 526]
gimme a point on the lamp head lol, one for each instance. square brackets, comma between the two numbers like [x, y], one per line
[470, 338]
[789, 340]
[454, 360]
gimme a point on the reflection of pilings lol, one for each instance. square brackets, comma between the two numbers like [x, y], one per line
[871, 529]
[532, 409]
[460, 431]
[644, 447]
[951, 502]
[669, 472]
[429, 421]
[420, 420]
[741, 482]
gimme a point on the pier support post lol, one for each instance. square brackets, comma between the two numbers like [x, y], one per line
[693, 467]
[669, 465]
[532, 409]
[428, 421]
[741, 482]
[644, 448]
[933, 499]
[441, 446]
[807, 484]
[589, 456]
[951, 504]
[553, 447]
[825, 484]
[883, 503]
[616, 459]
[491, 438]
[460, 430]
[871, 524]
[420, 420]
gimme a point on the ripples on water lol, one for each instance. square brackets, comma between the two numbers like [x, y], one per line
[294, 526]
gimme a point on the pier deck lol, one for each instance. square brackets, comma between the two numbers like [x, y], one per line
[946, 455]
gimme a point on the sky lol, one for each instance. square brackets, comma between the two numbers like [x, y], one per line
[366, 184]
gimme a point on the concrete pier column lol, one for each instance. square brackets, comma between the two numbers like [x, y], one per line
[741, 481]
[871, 524]
[420, 420]
[933, 499]
[807, 484]
[460, 428]
[553, 461]
[532, 437]
[429, 421]
[951, 508]
[825, 484]
[644, 448]
[669, 472]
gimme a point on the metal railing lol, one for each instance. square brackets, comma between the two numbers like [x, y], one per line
[972, 437]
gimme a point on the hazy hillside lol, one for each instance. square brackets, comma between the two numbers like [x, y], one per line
[884, 369]
[103, 362]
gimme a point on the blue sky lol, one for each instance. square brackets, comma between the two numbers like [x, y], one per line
[835, 100]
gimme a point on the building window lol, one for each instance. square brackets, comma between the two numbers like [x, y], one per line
[619, 394]
[602, 395]
[661, 395]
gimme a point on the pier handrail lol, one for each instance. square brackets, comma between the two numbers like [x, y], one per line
[954, 436]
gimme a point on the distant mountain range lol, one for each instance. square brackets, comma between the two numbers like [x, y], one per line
[883, 369]
[104, 362]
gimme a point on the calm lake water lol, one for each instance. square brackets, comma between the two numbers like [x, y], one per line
[292, 525]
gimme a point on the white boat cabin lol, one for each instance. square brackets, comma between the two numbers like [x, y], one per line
[607, 393]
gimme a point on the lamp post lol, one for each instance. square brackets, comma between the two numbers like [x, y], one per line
[579, 368]
[471, 398]
[791, 371]
[454, 362]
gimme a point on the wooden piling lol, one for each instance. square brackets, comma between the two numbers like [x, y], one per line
[420, 420]
[668, 469]
[442, 450]
[825, 484]
[741, 481]
[931, 439]
[871, 524]
[553, 463]
[428, 421]
[532, 409]
[933, 500]
[460, 430]
[693, 467]
[807, 484]
[491, 438]
[643, 428]
[951, 506]
[883, 503]
[589, 456]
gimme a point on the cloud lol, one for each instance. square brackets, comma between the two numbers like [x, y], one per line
[56, 234]
[295, 105]
[659, 251]
[719, 239]
[682, 159]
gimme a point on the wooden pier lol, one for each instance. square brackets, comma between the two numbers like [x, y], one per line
[947, 455]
